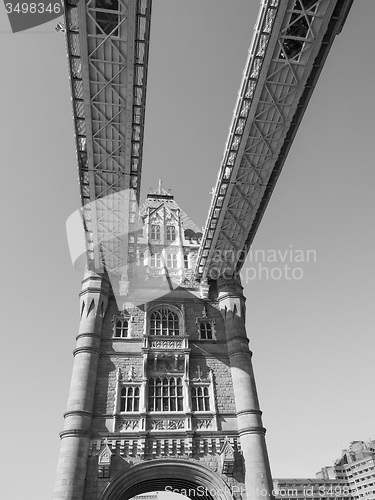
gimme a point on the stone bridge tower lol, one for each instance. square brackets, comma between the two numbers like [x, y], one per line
[162, 394]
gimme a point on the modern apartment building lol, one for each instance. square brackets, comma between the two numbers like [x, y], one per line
[351, 477]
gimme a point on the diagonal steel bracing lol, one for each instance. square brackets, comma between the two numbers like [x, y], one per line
[291, 42]
[107, 44]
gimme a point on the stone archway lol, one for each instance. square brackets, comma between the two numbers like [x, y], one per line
[188, 478]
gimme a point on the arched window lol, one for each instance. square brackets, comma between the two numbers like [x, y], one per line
[200, 398]
[121, 328]
[205, 329]
[171, 233]
[155, 232]
[129, 400]
[165, 394]
[186, 262]
[164, 322]
[172, 261]
[156, 260]
[141, 259]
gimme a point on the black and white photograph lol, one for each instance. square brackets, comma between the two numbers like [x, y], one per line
[188, 249]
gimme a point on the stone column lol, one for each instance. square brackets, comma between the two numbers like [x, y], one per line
[258, 480]
[75, 438]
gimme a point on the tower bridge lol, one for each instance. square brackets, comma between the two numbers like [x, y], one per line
[162, 385]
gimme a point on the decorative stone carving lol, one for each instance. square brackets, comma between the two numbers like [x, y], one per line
[204, 423]
[156, 219]
[131, 373]
[170, 424]
[166, 363]
[213, 465]
[169, 219]
[175, 424]
[129, 425]
[166, 344]
[105, 456]
[227, 457]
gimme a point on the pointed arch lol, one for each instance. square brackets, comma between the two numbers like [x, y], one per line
[82, 308]
[92, 307]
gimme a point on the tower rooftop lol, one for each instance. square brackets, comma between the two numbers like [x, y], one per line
[160, 193]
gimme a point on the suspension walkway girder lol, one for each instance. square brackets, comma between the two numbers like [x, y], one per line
[107, 44]
[291, 41]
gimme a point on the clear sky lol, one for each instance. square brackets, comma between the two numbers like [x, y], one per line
[312, 338]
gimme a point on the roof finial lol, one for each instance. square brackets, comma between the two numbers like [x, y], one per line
[160, 187]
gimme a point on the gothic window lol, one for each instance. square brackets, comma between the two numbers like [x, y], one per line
[186, 262]
[104, 471]
[155, 232]
[107, 17]
[205, 330]
[129, 400]
[156, 260]
[172, 261]
[164, 322]
[171, 233]
[200, 398]
[121, 328]
[165, 394]
[141, 259]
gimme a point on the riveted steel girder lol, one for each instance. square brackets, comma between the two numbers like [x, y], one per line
[291, 41]
[107, 43]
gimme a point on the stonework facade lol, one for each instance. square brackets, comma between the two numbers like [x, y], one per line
[162, 388]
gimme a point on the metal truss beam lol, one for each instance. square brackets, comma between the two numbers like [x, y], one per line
[107, 44]
[291, 42]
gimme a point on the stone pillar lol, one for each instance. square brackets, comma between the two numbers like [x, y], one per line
[75, 438]
[258, 480]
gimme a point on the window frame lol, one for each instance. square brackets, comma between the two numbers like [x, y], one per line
[208, 332]
[104, 471]
[156, 260]
[134, 399]
[155, 232]
[206, 321]
[171, 233]
[165, 396]
[141, 259]
[121, 328]
[172, 323]
[196, 398]
[172, 261]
